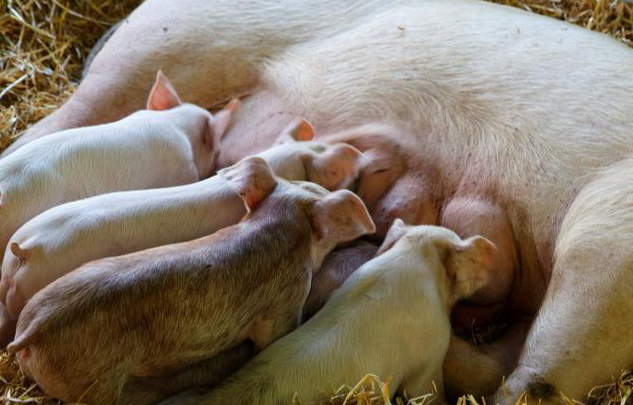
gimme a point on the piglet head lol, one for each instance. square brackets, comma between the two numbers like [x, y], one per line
[395, 182]
[296, 156]
[399, 181]
[460, 267]
[252, 180]
[336, 167]
[386, 158]
[203, 129]
[338, 217]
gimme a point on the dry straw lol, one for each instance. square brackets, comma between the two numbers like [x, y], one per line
[42, 47]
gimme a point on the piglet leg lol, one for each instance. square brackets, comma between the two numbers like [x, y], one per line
[266, 330]
[147, 391]
[582, 335]
[282, 320]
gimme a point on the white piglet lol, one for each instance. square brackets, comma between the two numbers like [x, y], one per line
[70, 235]
[390, 318]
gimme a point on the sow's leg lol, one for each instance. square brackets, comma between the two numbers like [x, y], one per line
[582, 334]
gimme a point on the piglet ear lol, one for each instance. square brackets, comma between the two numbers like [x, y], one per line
[469, 265]
[341, 216]
[396, 231]
[219, 123]
[251, 178]
[336, 168]
[163, 96]
[19, 252]
[298, 130]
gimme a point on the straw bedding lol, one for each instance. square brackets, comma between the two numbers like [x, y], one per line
[42, 47]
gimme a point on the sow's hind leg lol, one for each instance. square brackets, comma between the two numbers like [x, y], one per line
[582, 335]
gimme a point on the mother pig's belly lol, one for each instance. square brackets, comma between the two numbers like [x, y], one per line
[534, 178]
[502, 110]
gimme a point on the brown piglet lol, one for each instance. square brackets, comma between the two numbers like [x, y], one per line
[156, 312]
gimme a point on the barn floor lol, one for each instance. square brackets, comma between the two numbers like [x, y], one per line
[42, 47]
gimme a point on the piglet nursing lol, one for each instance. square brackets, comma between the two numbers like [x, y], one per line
[70, 235]
[391, 318]
[156, 312]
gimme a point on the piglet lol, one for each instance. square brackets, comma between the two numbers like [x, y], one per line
[391, 318]
[70, 235]
[168, 144]
[152, 313]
